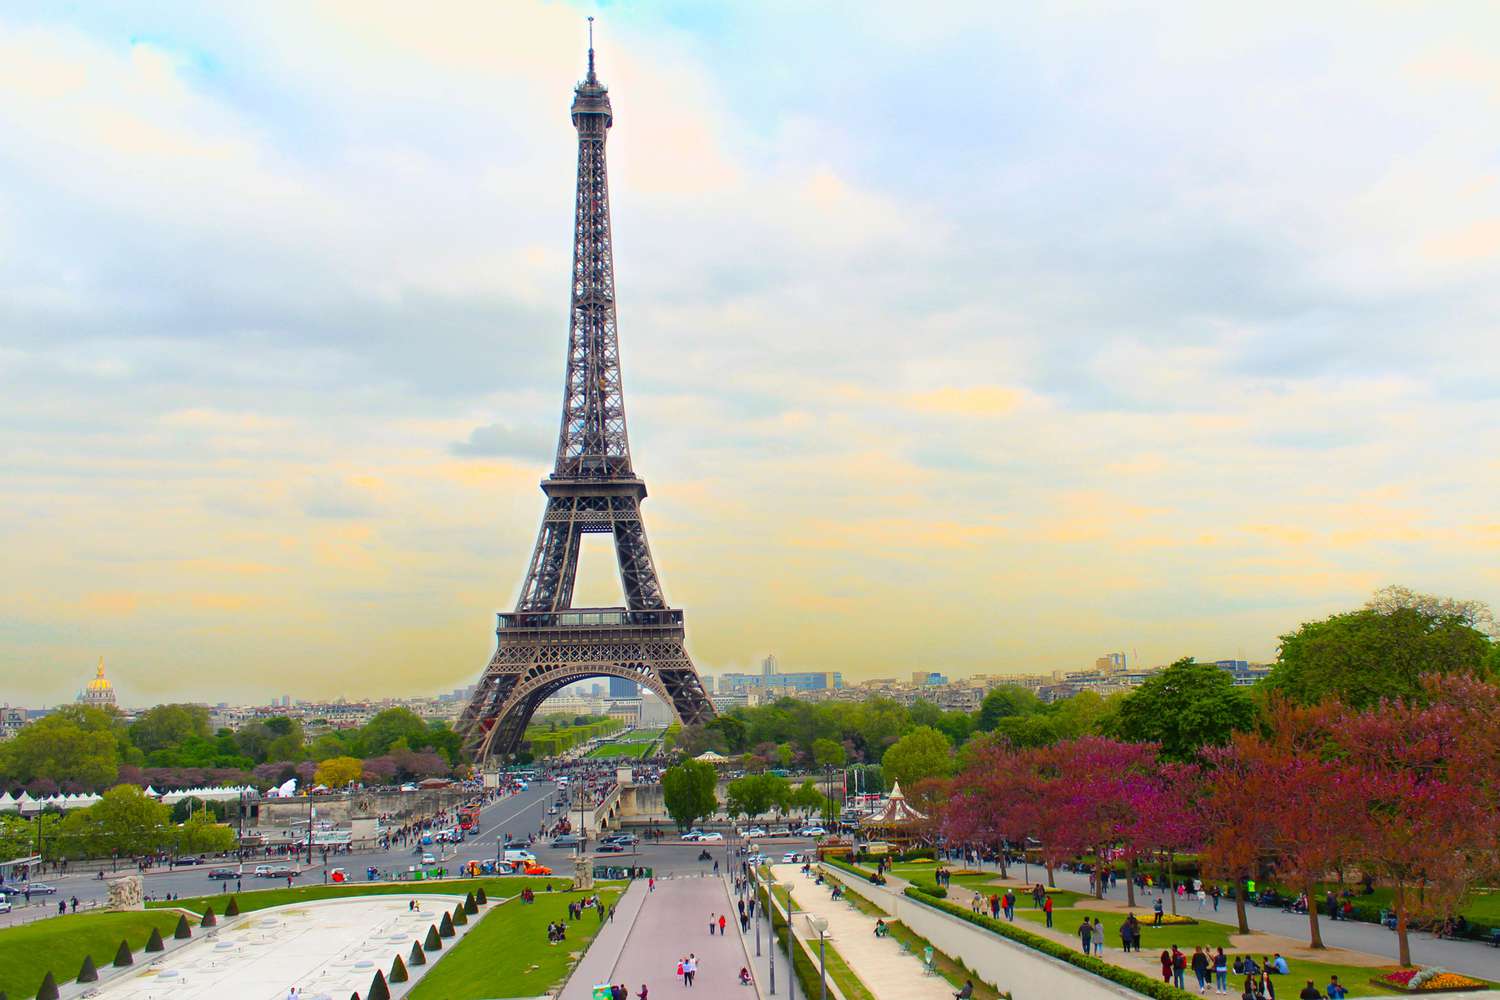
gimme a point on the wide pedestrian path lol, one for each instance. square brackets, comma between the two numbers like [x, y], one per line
[671, 924]
[878, 962]
[1472, 958]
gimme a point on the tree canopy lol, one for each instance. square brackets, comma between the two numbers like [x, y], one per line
[1184, 708]
[688, 792]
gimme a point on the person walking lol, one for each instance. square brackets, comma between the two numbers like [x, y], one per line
[711, 925]
[1046, 908]
[1156, 913]
[1179, 967]
[1085, 934]
[690, 970]
[1098, 937]
[722, 922]
[1200, 968]
[1221, 973]
[1166, 966]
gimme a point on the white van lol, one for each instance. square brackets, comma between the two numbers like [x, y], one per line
[517, 856]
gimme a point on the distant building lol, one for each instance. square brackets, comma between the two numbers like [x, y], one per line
[818, 680]
[1110, 663]
[1244, 672]
[98, 693]
[619, 687]
[11, 721]
[768, 666]
[922, 678]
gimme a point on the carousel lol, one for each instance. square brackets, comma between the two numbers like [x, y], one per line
[897, 823]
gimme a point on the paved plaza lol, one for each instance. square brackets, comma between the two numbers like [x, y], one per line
[329, 950]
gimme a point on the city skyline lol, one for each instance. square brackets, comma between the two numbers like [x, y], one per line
[1160, 354]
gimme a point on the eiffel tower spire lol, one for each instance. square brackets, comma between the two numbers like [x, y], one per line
[546, 643]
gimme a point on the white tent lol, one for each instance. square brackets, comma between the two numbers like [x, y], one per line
[7, 802]
[711, 757]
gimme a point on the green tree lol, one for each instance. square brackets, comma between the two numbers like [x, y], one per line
[64, 747]
[922, 753]
[752, 795]
[807, 799]
[327, 745]
[336, 772]
[1362, 657]
[169, 725]
[125, 821]
[388, 726]
[1004, 702]
[828, 753]
[202, 834]
[688, 792]
[1186, 707]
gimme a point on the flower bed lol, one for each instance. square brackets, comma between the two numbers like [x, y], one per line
[1171, 920]
[1434, 979]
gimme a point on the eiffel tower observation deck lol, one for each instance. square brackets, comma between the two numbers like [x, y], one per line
[546, 644]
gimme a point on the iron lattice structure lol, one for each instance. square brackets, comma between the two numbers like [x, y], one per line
[546, 643]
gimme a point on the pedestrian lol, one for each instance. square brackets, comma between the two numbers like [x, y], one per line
[682, 970]
[690, 970]
[1098, 937]
[1221, 972]
[1086, 934]
[651, 884]
[1166, 966]
[1156, 913]
[1200, 968]
[1047, 909]
[291, 993]
[1179, 967]
[711, 925]
[611, 912]
[642, 994]
[722, 922]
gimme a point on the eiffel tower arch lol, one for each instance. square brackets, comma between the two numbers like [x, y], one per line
[546, 643]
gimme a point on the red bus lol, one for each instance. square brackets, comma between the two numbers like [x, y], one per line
[468, 818]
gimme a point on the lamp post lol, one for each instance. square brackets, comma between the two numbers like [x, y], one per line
[771, 917]
[755, 901]
[820, 924]
[791, 952]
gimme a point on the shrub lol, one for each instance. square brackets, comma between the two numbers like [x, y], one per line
[48, 989]
[398, 971]
[88, 974]
[123, 956]
[378, 989]
[459, 917]
[233, 909]
[154, 942]
[1125, 977]
[418, 956]
[446, 927]
[209, 920]
[471, 905]
[480, 897]
[183, 931]
[433, 942]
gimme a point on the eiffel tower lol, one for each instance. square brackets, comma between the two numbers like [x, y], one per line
[546, 643]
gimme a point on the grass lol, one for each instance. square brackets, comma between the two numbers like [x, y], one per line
[507, 954]
[58, 944]
[1185, 936]
[848, 982]
[259, 899]
[615, 750]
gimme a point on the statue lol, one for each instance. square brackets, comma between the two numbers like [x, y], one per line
[583, 872]
[125, 893]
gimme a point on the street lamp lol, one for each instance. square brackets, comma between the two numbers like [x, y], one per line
[820, 924]
[771, 918]
[791, 946]
[755, 901]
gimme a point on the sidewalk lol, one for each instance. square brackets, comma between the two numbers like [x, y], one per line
[878, 962]
[671, 924]
[604, 953]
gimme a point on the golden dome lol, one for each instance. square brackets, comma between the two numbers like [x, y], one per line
[99, 683]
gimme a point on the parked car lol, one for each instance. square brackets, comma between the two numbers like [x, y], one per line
[262, 871]
[221, 873]
[190, 859]
[428, 859]
[791, 858]
[610, 849]
[628, 839]
[4, 904]
[754, 831]
[532, 868]
[813, 831]
[564, 840]
[516, 855]
[779, 831]
[40, 888]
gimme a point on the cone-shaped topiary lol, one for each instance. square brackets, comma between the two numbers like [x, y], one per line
[88, 974]
[378, 989]
[183, 931]
[209, 920]
[123, 956]
[398, 971]
[433, 942]
[48, 989]
[233, 909]
[459, 916]
[480, 897]
[418, 956]
[354, 996]
[446, 927]
[154, 942]
[469, 905]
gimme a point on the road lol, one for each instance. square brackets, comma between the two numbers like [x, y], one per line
[518, 815]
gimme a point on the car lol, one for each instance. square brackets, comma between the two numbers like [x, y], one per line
[607, 848]
[532, 868]
[813, 831]
[189, 859]
[791, 858]
[628, 839]
[713, 835]
[282, 871]
[779, 831]
[408, 787]
[565, 840]
[552, 810]
[40, 889]
[4, 904]
[262, 871]
[428, 859]
[754, 831]
[516, 855]
[221, 873]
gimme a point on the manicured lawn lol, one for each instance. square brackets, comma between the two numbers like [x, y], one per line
[495, 888]
[59, 944]
[1184, 936]
[507, 954]
[632, 750]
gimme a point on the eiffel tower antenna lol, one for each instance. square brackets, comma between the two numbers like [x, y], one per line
[547, 644]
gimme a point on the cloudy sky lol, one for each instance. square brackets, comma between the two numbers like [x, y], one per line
[990, 339]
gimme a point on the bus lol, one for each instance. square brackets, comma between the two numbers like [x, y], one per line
[468, 818]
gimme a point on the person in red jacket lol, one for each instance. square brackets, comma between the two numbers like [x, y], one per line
[1047, 909]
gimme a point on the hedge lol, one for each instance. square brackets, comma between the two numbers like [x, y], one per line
[931, 888]
[1125, 977]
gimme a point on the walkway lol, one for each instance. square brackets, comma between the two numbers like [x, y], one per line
[599, 961]
[671, 924]
[1470, 957]
[878, 962]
